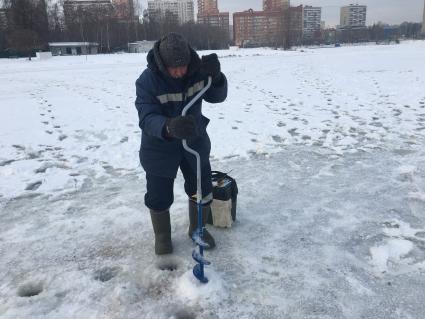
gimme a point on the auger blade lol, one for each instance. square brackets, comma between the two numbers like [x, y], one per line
[199, 258]
[199, 274]
[198, 240]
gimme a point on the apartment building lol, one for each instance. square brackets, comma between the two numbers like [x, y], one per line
[209, 14]
[207, 7]
[275, 5]
[182, 9]
[353, 16]
[75, 4]
[258, 28]
[124, 8]
[220, 20]
[296, 18]
[312, 18]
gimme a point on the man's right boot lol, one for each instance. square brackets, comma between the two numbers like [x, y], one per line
[193, 222]
[162, 229]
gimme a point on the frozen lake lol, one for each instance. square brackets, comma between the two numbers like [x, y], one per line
[327, 146]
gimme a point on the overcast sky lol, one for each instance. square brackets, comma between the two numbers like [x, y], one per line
[389, 11]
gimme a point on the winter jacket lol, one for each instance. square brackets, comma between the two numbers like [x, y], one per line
[159, 96]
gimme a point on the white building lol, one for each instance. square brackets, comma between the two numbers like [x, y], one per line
[73, 48]
[353, 15]
[140, 46]
[312, 19]
[183, 9]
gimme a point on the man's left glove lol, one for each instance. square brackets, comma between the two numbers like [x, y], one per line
[210, 66]
[181, 127]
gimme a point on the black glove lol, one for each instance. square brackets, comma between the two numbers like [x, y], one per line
[210, 66]
[181, 127]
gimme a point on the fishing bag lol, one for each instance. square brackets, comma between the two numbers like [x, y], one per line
[223, 206]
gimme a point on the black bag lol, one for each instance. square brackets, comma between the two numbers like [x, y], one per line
[223, 207]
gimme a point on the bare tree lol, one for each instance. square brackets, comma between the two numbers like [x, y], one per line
[28, 25]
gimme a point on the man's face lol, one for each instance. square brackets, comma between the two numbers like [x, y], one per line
[177, 72]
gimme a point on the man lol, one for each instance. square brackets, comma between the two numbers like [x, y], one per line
[175, 74]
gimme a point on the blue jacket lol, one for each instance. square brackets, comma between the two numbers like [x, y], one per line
[159, 97]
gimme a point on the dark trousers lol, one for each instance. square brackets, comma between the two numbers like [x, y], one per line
[160, 194]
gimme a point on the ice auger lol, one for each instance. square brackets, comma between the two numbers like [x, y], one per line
[198, 256]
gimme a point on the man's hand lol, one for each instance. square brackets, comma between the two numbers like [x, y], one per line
[181, 127]
[210, 66]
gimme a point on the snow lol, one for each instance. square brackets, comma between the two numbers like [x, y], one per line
[327, 147]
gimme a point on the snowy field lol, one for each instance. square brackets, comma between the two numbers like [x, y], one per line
[327, 146]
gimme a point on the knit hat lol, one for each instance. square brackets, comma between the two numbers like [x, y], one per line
[174, 50]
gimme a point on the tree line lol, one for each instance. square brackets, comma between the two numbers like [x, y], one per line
[32, 24]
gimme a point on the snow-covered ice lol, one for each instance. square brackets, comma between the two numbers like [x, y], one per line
[327, 146]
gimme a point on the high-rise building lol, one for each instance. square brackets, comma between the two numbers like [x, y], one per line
[258, 28]
[71, 7]
[209, 14]
[353, 15]
[423, 21]
[207, 7]
[275, 5]
[295, 25]
[182, 9]
[312, 17]
[124, 8]
[74, 4]
[220, 20]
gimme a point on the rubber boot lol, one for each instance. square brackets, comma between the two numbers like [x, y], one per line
[162, 229]
[193, 220]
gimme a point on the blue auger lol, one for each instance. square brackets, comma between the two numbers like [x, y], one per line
[198, 269]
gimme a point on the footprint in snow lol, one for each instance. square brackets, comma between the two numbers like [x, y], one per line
[293, 132]
[106, 273]
[6, 162]
[33, 186]
[277, 138]
[19, 147]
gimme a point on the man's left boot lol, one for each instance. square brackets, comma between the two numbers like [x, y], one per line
[193, 222]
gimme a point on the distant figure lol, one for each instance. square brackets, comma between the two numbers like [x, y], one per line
[175, 74]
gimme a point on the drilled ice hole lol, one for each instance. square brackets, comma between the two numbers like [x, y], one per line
[30, 289]
[167, 264]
